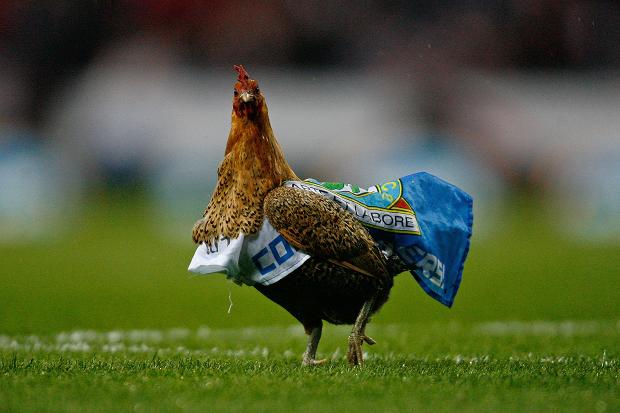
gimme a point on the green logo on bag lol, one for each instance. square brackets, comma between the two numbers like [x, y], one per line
[380, 206]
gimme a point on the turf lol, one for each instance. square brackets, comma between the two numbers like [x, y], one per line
[479, 367]
[106, 318]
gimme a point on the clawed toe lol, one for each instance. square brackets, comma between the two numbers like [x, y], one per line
[358, 336]
[314, 335]
[369, 340]
[354, 354]
[307, 361]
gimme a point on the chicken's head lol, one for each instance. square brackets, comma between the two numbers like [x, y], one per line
[247, 99]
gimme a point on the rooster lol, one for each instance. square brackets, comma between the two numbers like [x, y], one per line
[345, 278]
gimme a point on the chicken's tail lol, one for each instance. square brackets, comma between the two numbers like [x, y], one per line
[395, 265]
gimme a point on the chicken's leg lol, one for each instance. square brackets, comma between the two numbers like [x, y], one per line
[314, 335]
[358, 335]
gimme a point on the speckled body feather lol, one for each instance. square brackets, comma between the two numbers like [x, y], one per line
[346, 268]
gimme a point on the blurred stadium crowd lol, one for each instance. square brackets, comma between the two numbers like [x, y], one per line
[496, 96]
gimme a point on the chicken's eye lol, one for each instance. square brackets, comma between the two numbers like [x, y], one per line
[257, 90]
[235, 92]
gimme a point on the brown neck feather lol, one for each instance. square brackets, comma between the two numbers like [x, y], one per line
[253, 165]
[255, 149]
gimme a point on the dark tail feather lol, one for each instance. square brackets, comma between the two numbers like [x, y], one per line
[395, 265]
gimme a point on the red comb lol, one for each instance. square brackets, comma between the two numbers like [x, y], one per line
[243, 75]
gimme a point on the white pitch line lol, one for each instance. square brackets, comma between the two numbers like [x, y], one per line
[176, 341]
[548, 328]
[149, 341]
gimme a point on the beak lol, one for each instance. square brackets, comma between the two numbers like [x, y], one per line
[246, 97]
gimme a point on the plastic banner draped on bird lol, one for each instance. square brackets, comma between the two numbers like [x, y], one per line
[426, 221]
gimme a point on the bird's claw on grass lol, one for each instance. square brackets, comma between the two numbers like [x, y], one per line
[308, 361]
[355, 355]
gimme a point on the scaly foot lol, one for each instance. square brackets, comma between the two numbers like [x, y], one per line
[358, 335]
[355, 356]
[314, 335]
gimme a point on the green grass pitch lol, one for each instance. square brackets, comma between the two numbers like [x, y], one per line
[107, 319]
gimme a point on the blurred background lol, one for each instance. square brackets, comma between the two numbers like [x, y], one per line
[114, 117]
